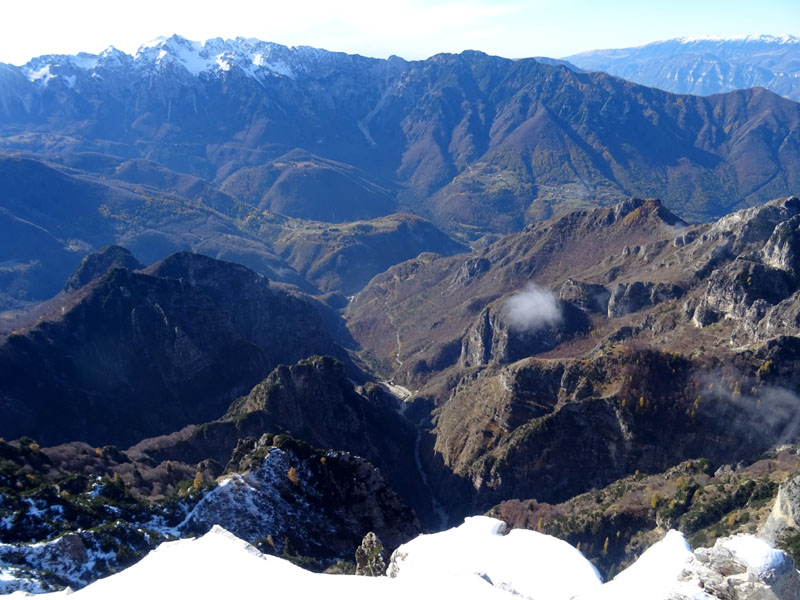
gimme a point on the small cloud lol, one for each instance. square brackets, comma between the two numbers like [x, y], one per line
[532, 308]
[766, 415]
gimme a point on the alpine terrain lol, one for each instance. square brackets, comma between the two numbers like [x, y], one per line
[276, 319]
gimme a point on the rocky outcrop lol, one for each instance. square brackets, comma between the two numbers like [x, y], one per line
[757, 289]
[494, 338]
[312, 503]
[627, 298]
[743, 290]
[586, 296]
[782, 250]
[785, 515]
[315, 401]
[370, 557]
[470, 269]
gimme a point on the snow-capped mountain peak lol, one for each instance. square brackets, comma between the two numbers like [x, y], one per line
[254, 57]
[757, 38]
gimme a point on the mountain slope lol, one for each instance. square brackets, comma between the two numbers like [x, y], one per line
[705, 66]
[50, 218]
[497, 143]
[346, 257]
[586, 347]
[80, 515]
[137, 353]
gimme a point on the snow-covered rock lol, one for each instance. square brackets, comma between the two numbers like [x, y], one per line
[526, 563]
[477, 560]
[740, 567]
[219, 565]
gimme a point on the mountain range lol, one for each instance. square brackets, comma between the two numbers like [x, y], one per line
[473, 142]
[309, 295]
[705, 65]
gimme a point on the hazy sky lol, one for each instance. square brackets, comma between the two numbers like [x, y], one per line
[412, 29]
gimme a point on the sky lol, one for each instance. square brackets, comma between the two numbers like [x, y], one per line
[413, 29]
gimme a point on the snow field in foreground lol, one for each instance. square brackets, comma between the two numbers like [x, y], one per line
[473, 561]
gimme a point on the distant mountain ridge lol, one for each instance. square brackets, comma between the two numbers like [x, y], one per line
[475, 143]
[705, 65]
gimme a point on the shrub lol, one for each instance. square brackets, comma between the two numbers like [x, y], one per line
[293, 476]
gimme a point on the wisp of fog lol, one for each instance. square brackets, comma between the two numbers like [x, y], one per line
[532, 308]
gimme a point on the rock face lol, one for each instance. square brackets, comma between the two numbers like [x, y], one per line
[631, 297]
[586, 296]
[135, 354]
[494, 338]
[785, 516]
[758, 289]
[782, 250]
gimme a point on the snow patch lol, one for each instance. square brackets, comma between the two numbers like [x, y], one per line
[41, 74]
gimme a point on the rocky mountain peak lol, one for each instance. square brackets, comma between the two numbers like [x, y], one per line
[95, 265]
[215, 55]
[639, 212]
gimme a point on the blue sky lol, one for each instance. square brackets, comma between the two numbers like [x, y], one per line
[413, 29]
